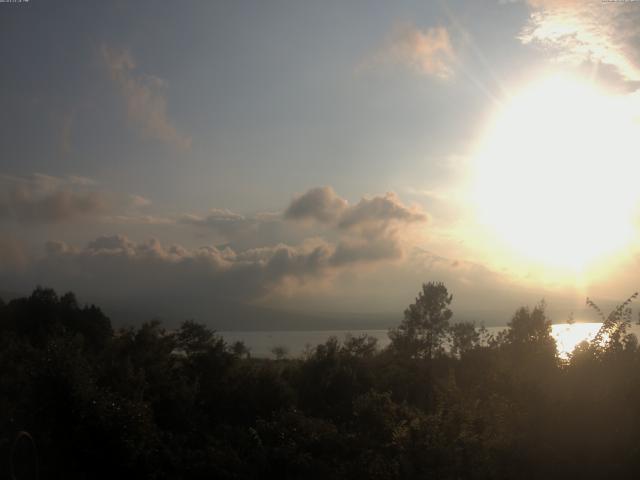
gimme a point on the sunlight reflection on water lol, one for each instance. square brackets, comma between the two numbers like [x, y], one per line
[568, 336]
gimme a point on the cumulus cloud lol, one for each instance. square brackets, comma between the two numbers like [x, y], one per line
[428, 52]
[588, 32]
[369, 231]
[373, 229]
[124, 268]
[321, 204]
[356, 236]
[324, 205]
[322, 212]
[145, 98]
[379, 212]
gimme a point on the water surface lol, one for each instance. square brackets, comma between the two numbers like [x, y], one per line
[261, 343]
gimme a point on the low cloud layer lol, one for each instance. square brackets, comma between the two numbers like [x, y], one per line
[124, 268]
[335, 238]
[145, 98]
[176, 282]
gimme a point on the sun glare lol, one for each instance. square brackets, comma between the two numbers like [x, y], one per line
[569, 336]
[556, 177]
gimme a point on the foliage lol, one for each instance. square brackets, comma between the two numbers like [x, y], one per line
[463, 337]
[443, 401]
[425, 323]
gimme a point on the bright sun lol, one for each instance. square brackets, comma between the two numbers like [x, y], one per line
[556, 177]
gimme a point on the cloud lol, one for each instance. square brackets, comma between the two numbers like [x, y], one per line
[353, 251]
[243, 231]
[145, 98]
[138, 201]
[13, 255]
[43, 198]
[39, 198]
[222, 219]
[321, 204]
[322, 212]
[79, 180]
[587, 32]
[325, 206]
[122, 268]
[259, 262]
[428, 52]
[137, 219]
[456, 270]
[379, 212]
[373, 229]
[125, 268]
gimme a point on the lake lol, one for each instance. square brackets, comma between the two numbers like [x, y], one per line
[567, 336]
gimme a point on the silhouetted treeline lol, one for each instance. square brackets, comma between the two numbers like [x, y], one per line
[443, 401]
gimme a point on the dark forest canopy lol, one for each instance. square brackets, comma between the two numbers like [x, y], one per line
[88, 401]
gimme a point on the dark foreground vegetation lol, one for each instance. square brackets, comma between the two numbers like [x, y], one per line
[144, 402]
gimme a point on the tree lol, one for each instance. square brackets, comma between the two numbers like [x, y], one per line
[425, 325]
[613, 334]
[195, 338]
[528, 347]
[280, 352]
[364, 346]
[240, 349]
[463, 337]
[531, 327]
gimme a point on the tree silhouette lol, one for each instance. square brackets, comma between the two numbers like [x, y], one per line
[612, 334]
[442, 401]
[530, 326]
[463, 337]
[280, 352]
[425, 324]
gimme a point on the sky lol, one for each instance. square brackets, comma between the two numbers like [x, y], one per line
[233, 159]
